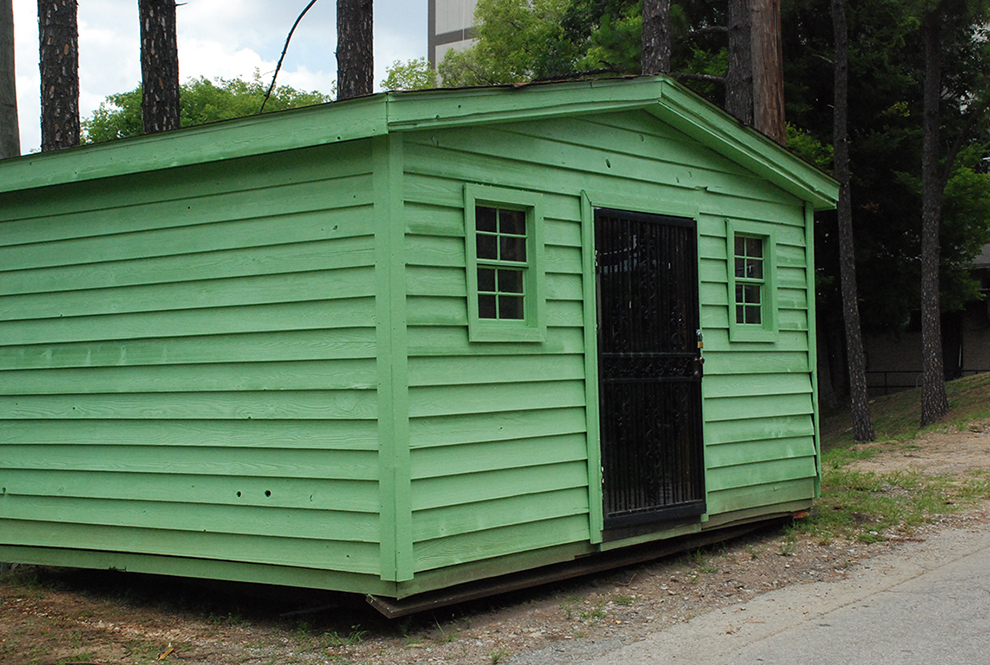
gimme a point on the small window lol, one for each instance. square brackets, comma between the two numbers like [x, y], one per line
[752, 292]
[503, 241]
[749, 280]
[501, 246]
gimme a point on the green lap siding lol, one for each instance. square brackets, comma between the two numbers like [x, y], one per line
[167, 351]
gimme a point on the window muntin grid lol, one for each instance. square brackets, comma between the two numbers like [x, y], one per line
[500, 237]
[749, 272]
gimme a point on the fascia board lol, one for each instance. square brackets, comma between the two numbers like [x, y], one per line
[748, 148]
[300, 128]
[412, 111]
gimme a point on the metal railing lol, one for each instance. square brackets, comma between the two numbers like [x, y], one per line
[913, 382]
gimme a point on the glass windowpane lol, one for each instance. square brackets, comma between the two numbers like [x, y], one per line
[512, 249]
[740, 246]
[754, 247]
[487, 247]
[486, 279]
[512, 221]
[752, 314]
[754, 268]
[752, 293]
[740, 266]
[510, 281]
[510, 307]
[486, 307]
[484, 219]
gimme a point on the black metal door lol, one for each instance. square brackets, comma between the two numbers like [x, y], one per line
[649, 369]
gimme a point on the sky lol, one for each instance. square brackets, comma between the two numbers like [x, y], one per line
[217, 38]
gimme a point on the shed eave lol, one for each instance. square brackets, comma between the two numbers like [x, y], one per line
[665, 99]
[383, 113]
[244, 137]
[750, 149]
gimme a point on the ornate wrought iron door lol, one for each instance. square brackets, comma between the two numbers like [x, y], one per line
[649, 368]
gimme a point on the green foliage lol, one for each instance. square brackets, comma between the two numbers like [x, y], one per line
[615, 44]
[809, 148]
[518, 41]
[410, 75]
[886, 69]
[200, 100]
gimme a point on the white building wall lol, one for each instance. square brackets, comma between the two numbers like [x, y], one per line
[451, 26]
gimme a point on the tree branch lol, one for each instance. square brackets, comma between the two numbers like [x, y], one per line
[699, 77]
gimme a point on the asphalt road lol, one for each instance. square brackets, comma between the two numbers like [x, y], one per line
[924, 603]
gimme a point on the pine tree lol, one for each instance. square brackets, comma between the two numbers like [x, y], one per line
[768, 70]
[355, 45]
[10, 143]
[59, 63]
[862, 423]
[656, 37]
[159, 66]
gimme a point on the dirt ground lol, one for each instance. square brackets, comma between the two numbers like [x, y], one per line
[52, 617]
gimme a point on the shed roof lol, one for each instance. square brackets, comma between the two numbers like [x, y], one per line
[393, 112]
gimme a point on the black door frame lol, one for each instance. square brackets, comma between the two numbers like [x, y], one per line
[649, 363]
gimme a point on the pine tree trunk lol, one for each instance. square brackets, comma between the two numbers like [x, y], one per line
[59, 63]
[159, 66]
[739, 75]
[862, 423]
[934, 401]
[10, 142]
[355, 48]
[768, 70]
[656, 37]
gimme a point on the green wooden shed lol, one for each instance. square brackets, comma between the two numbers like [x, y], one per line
[407, 341]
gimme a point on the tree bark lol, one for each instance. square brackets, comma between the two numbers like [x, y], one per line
[862, 423]
[355, 48]
[934, 401]
[10, 142]
[739, 75]
[159, 66]
[768, 70]
[59, 63]
[655, 58]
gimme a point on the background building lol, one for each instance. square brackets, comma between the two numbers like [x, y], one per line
[451, 27]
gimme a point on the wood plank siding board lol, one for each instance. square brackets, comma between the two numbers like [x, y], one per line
[278, 435]
[494, 543]
[765, 449]
[725, 501]
[208, 293]
[347, 495]
[492, 427]
[201, 460]
[111, 215]
[341, 374]
[456, 459]
[270, 522]
[249, 548]
[322, 346]
[262, 573]
[761, 429]
[449, 521]
[768, 472]
[239, 333]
